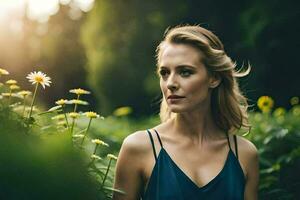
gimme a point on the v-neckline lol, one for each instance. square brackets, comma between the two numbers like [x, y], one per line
[191, 180]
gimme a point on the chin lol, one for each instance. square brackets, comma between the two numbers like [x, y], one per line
[177, 109]
[182, 109]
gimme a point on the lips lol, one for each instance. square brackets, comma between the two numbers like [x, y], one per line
[175, 97]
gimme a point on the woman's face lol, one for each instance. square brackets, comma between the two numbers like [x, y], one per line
[184, 80]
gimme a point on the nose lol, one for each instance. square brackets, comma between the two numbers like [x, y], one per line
[172, 83]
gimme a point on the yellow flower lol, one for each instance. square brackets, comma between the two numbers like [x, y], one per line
[77, 101]
[16, 95]
[62, 123]
[58, 117]
[294, 101]
[265, 104]
[55, 108]
[62, 102]
[97, 141]
[91, 114]
[79, 91]
[3, 72]
[6, 94]
[24, 93]
[74, 115]
[279, 112]
[93, 156]
[111, 156]
[39, 78]
[33, 108]
[122, 111]
[78, 136]
[11, 82]
[14, 87]
[296, 110]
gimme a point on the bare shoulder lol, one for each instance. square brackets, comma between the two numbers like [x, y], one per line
[247, 147]
[130, 166]
[248, 155]
[249, 160]
[137, 143]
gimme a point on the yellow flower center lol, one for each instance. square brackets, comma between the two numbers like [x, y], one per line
[266, 103]
[39, 79]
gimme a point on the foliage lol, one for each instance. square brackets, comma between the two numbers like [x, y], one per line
[120, 50]
[40, 168]
[120, 45]
[115, 50]
[114, 129]
[277, 137]
[48, 145]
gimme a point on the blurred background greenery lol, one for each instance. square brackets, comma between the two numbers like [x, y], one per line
[35, 168]
[108, 47]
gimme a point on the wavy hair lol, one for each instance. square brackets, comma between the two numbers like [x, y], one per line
[229, 106]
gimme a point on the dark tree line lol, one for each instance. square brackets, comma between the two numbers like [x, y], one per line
[121, 37]
[110, 50]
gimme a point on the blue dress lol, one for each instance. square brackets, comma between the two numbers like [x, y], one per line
[169, 182]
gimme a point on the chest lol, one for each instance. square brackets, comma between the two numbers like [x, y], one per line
[200, 166]
[168, 181]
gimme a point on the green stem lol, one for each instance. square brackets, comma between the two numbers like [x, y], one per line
[72, 126]
[86, 131]
[75, 107]
[9, 98]
[73, 121]
[95, 148]
[95, 152]
[24, 105]
[33, 98]
[107, 170]
[65, 116]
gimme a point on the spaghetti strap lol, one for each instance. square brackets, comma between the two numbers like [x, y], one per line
[152, 142]
[235, 142]
[158, 138]
[228, 141]
[236, 147]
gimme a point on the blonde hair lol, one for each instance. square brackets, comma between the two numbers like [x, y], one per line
[228, 105]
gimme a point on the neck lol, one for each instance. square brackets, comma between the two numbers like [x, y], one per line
[197, 125]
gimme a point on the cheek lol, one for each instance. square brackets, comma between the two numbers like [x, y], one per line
[162, 87]
[198, 88]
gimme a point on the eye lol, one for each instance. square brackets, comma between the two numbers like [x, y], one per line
[163, 72]
[185, 72]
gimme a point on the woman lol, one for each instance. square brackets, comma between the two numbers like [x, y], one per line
[193, 153]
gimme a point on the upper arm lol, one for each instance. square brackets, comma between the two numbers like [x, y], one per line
[128, 174]
[252, 167]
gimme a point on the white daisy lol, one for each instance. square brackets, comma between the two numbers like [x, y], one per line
[39, 77]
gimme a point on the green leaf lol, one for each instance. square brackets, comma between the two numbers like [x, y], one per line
[114, 190]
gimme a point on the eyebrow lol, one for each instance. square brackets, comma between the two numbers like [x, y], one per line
[179, 66]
